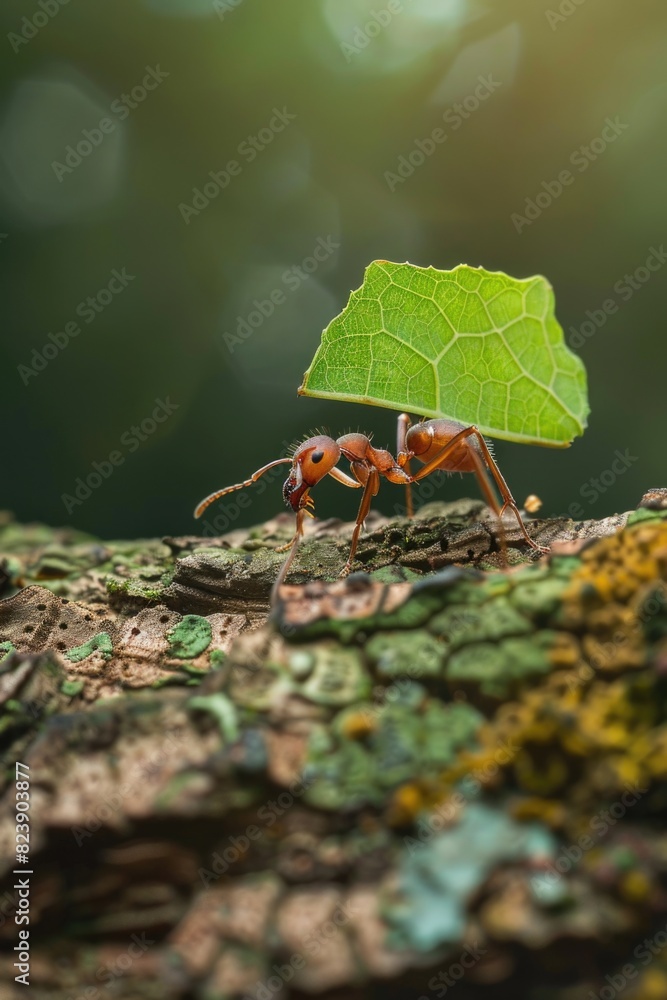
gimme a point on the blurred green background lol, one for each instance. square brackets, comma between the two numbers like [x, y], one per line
[362, 92]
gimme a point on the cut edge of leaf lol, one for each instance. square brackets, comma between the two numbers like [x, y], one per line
[433, 414]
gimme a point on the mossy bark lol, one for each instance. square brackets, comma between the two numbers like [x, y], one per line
[444, 770]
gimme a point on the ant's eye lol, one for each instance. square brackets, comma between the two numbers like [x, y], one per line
[316, 457]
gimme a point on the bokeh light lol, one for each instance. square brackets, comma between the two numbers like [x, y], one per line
[50, 130]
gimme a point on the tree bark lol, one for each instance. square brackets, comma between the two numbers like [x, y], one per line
[447, 769]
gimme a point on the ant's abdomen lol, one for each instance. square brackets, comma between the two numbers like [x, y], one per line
[429, 438]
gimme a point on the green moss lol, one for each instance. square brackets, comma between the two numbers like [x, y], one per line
[136, 588]
[190, 637]
[395, 574]
[460, 625]
[5, 649]
[415, 654]
[101, 642]
[337, 678]
[223, 710]
[406, 735]
[539, 598]
[194, 671]
[498, 668]
[71, 688]
[564, 566]
[172, 680]
[415, 612]
[645, 514]
[258, 686]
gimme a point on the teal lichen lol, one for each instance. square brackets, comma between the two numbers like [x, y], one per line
[216, 658]
[404, 735]
[441, 872]
[5, 649]
[497, 668]
[223, 710]
[101, 641]
[190, 637]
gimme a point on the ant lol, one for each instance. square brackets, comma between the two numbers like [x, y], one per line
[437, 444]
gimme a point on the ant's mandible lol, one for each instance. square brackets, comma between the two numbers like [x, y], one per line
[437, 444]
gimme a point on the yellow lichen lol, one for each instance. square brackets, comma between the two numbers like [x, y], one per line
[635, 886]
[358, 725]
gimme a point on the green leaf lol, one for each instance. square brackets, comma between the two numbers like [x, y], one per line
[472, 345]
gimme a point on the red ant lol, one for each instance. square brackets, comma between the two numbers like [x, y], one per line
[438, 444]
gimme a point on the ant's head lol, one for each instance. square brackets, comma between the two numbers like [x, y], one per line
[312, 460]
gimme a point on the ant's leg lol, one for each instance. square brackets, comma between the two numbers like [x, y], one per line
[308, 506]
[404, 423]
[370, 490]
[286, 546]
[508, 499]
[280, 579]
[212, 497]
[489, 496]
[340, 477]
